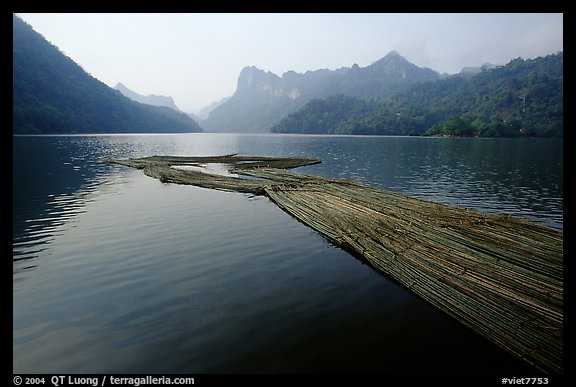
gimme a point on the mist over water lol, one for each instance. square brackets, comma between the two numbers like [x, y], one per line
[116, 272]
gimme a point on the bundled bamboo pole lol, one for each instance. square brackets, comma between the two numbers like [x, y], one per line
[500, 276]
[507, 301]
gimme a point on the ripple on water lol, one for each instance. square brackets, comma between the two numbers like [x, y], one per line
[117, 272]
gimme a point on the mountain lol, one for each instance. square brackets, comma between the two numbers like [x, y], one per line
[263, 98]
[52, 94]
[154, 100]
[205, 111]
[522, 98]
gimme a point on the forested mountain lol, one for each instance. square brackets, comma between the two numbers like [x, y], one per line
[263, 98]
[522, 98]
[52, 94]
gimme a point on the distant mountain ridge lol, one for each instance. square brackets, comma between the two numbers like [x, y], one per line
[152, 99]
[473, 70]
[263, 98]
[52, 94]
[205, 111]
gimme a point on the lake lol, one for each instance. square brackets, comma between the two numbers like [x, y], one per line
[115, 272]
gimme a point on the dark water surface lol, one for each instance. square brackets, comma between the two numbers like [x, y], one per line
[115, 272]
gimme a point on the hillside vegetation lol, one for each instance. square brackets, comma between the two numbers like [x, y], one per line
[522, 98]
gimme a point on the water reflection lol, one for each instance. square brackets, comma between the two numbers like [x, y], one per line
[139, 276]
[54, 177]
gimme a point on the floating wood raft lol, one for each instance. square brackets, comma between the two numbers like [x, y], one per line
[500, 276]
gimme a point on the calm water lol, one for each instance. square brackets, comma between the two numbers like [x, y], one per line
[116, 272]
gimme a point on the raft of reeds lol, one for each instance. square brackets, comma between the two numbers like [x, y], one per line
[500, 276]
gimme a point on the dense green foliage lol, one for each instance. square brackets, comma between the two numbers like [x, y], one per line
[332, 115]
[52, 94]
[522, 98]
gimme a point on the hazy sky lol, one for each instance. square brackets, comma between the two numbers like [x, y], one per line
[196, 58]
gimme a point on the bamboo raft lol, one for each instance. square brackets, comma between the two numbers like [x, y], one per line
[500, 276]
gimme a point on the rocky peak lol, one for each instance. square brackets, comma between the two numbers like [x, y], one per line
[396, 66]
[392, 59]
[251, 78]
